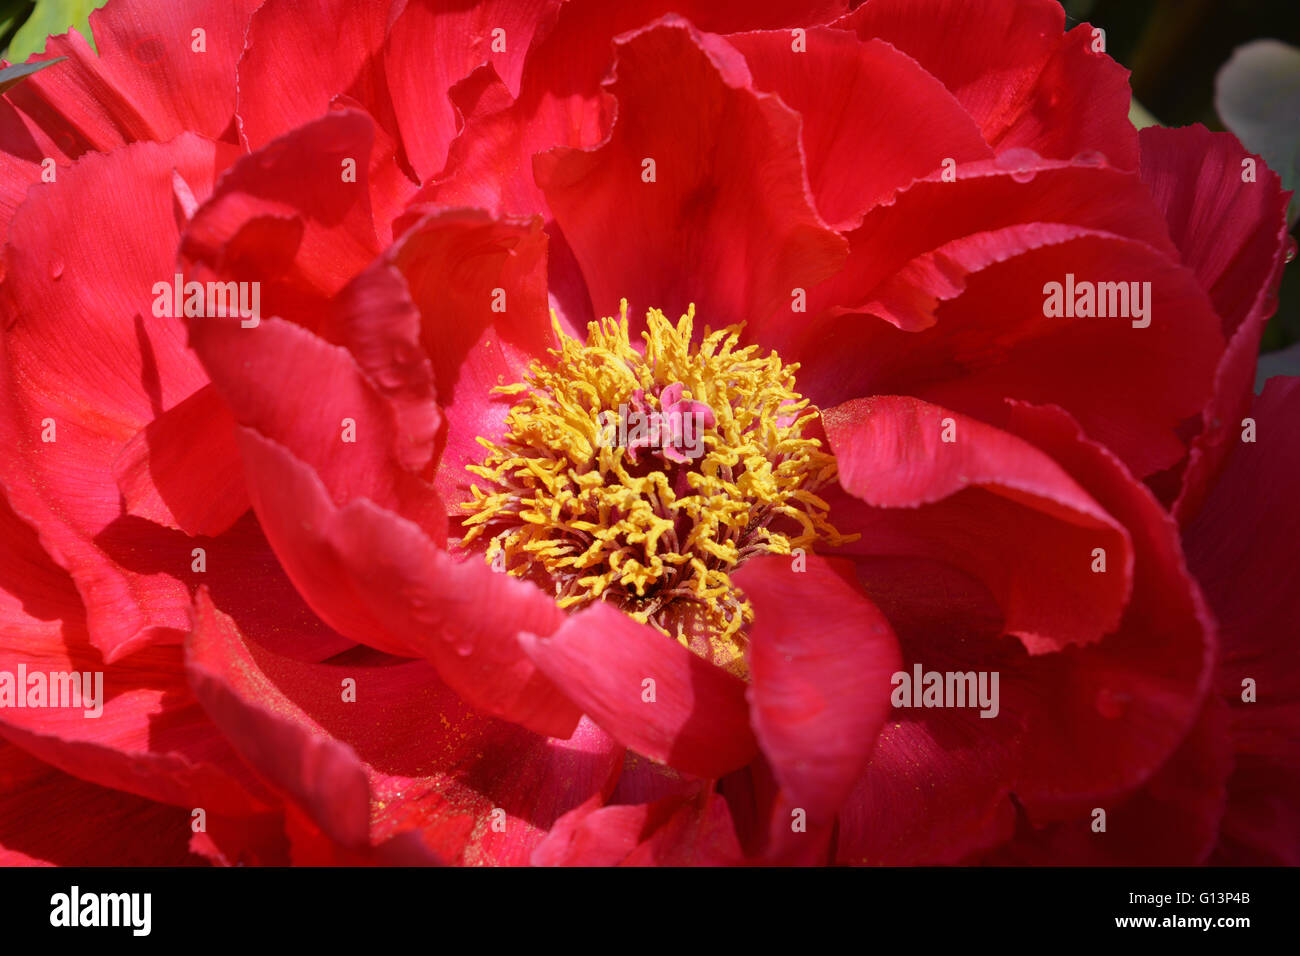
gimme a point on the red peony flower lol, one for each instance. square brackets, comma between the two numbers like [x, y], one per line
[358, 445]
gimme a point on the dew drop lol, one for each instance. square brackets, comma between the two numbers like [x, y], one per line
[56, 267]
[390, 378]
[417, 606]
[461, 644]
[1020, 161]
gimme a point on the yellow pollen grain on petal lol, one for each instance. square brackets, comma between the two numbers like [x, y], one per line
[575, 499]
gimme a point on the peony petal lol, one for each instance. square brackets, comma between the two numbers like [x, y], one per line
[699, 834]
[1149, 380]
[24, 149]
[293, 72]
[144, 80]
[936, 786]
[149, 739]
[674, 831]
[311, 846]
[610, 666]
[246, 581]
[979, 202]
[1233, 236]
[405, 757]
[479, 286]
[332, 419]
[183, 471]
[280, 748]
[559, 100]
[773, 827]
[1172, 821]
[900, 123]
[1230, 232]
[743, 219]
[1075, 730]
[375, 319]
[643, 781]
[1241, 545]
[81, 263]
[431, 47]
[254, 840]
[592, 835]
[390, 185]
[986, 502]
[285, 218]
[821, 657]
[1026, 83]
[50, 819]
[292, 69]
[381, 580]
[992, 340]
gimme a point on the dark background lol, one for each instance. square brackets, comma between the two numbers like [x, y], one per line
[1174, 49]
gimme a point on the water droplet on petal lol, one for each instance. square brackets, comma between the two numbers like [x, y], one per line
[1290, 248]
[56, 267]
[1020, 161]
[390, 378]
[417, 606]
[462, 645]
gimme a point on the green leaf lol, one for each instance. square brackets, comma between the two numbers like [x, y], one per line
[12, 74]
[12, 15]
[48, 18]
[1139, 116]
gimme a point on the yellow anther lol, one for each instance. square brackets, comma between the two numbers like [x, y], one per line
[578, 506]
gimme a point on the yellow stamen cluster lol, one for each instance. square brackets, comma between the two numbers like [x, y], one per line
[568, 508]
